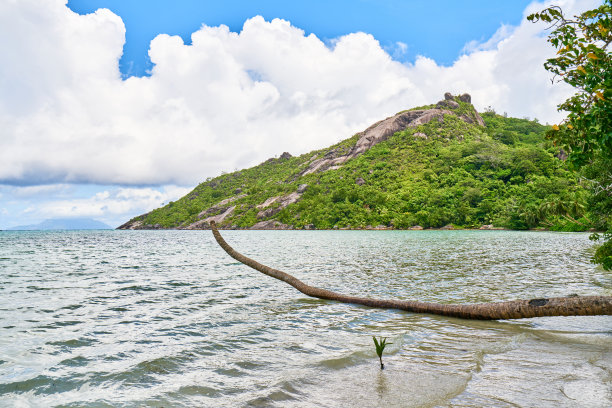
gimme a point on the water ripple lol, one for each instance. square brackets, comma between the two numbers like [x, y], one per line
[165, 318]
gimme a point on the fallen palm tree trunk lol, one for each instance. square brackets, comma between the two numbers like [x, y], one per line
[515, 309]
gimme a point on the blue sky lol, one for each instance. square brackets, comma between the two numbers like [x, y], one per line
[438, 29]
[111, 108]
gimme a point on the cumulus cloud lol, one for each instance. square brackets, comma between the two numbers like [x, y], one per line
[107, 203]
[501, 34]
[228, 100]
[113, 205]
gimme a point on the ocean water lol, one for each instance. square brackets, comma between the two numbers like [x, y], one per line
[167, 319]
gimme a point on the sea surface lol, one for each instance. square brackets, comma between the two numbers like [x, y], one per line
[167, 319]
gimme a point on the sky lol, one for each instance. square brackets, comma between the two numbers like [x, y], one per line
[111, 108]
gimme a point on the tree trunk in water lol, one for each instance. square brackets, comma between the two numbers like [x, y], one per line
[516, 309]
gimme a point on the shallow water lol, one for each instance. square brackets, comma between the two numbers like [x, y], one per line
[167, 319]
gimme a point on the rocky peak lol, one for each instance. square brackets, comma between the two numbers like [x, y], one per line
[447, 103]
[465, 98]
[452, 102]
[382, 130]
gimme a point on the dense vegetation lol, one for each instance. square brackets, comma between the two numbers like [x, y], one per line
[583, 60]
[505, 174]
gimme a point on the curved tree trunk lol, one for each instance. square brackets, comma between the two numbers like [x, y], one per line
[516, 309]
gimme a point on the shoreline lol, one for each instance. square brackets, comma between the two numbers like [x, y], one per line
[367, 228]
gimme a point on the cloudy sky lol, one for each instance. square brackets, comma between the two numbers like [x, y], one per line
[109, 108]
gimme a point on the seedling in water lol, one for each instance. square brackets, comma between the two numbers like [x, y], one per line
[380, 346]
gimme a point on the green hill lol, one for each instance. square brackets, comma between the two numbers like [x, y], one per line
[430, 167]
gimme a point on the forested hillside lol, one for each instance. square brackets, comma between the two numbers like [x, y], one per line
[435, 166]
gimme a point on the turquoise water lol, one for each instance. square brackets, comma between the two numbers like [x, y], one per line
[167, 319]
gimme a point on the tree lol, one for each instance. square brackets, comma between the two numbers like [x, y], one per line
[515, 309]
[584, 61]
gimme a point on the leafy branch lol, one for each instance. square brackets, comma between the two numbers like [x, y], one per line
[584, 61]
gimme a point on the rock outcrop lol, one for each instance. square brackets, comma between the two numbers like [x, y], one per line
[268, 202]
[271, 225]
[475, 118]
[205, 223]
[283, 201]
[465, 98]
[447, 104]
[132, 225]
[221, 206]
[382, 130]
[375, 134]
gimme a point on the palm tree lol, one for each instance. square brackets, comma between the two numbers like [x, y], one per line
[566, 207]
[516, 309]
[530, 215]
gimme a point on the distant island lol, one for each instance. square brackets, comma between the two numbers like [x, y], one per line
[63, 224]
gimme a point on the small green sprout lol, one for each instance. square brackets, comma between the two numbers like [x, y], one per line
[380, 346]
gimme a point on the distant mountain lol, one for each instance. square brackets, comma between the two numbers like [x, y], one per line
[64, 224]
[437, 166]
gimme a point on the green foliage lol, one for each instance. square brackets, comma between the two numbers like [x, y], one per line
[380, 347]
[599, 176]
[584, 61]
[603, 254]
[460, 174]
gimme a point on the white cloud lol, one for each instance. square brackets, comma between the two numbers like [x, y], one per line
[501, 34]
[229, 100]
[113, 206]
[40, 190]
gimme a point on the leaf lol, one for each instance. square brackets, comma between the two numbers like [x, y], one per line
[599, 95]
[592, 56]
[380, 345]
[581, 69]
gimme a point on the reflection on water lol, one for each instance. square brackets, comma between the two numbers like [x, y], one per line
[165, 318]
